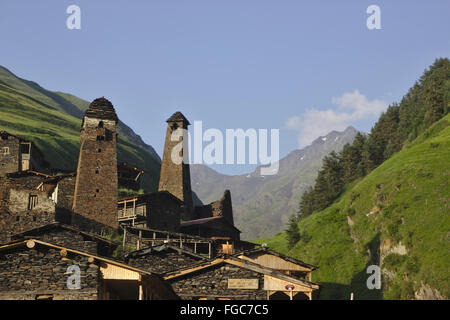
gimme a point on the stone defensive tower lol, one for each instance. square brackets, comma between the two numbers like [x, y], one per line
[96, 187]
[176, 177]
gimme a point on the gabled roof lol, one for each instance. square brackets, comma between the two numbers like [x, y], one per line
[243, 264]
[263, 250]
[33, 232]
[31, 243]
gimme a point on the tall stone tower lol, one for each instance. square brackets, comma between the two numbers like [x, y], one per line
[95, 197]
[175, 175]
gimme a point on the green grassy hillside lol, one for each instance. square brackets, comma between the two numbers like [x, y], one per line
[52, 120]
[396, 217]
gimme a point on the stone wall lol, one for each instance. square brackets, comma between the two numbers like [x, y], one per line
[219, 208]
[27, 273]
[66, 189]
[176, 178]
[213, 282]
[9, 154]
[14, 214]
[96, 189]
[19, 201]
[163, 212]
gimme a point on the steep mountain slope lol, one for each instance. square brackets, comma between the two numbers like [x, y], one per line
[396, 217]
[52, 120]
[262, 204]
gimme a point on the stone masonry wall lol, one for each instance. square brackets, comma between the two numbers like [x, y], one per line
[26, 273]
[96, 184]
[222, 207]
[163, 213]
[214, 282]
[9, 162]
[66, 189]
[14, 214]
[175, 178]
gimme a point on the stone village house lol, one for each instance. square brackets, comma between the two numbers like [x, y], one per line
[50, 222]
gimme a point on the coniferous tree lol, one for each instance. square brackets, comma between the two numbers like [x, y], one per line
[329, 182]
[292, 231]
[425, 103]
[306, 206]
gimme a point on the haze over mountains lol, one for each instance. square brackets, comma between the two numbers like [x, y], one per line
[262, 204]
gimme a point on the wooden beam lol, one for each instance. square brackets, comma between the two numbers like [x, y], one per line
[124, 237]
[209, 251]
[183, 272]
[141, 291]
[31, 244]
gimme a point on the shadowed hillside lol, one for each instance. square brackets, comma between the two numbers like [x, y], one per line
[52, 120]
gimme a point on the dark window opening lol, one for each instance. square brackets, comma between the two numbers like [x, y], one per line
[97, 190]
[100, 138]
[99, 150]
[32, 201]
[100, 124]
[18, 218]
[25, 148]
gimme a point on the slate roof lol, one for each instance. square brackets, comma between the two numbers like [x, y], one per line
[262, 250]
[178, 116]
[101, 108]
[204, 221]
[56, 225]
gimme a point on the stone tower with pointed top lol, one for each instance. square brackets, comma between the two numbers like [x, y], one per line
[95, 197]
[175, 176]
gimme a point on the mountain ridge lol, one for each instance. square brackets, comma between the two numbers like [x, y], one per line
[262, 204]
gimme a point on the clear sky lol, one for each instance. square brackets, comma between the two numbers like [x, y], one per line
[304, 67]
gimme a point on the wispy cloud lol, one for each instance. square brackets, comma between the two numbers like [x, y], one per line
[350, 108]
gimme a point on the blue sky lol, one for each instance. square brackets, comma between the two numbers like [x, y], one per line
[304, 67]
